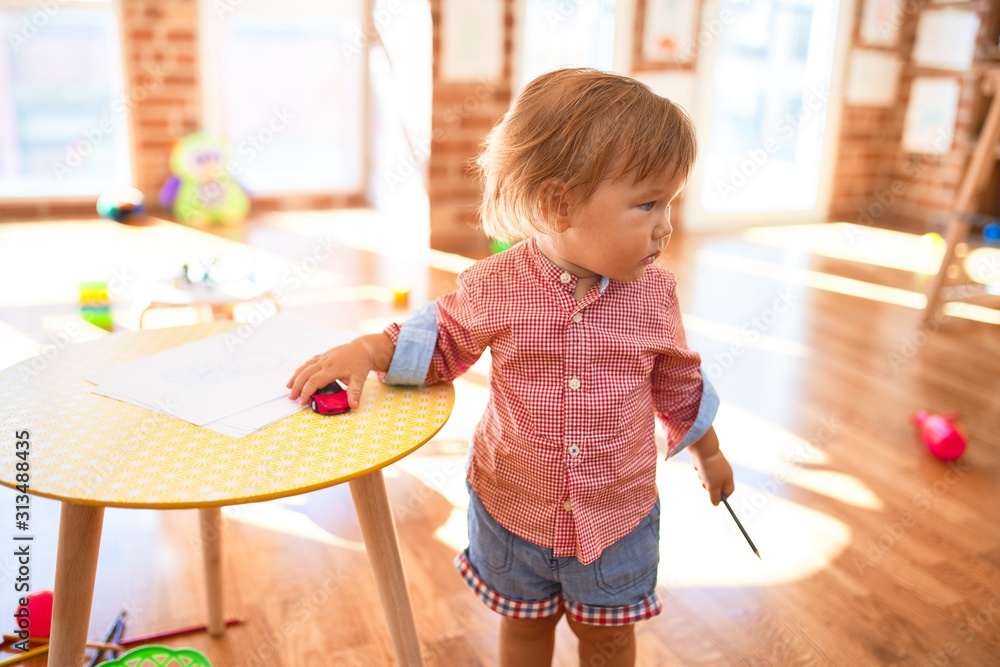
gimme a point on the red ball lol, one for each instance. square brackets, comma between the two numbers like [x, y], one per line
[38, 619]
[948, 448]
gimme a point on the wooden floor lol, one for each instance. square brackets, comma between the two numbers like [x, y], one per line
[873, 552]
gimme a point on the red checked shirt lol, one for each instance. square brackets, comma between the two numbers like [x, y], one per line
[564, 455]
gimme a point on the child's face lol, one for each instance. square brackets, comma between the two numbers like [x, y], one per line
[620, 230]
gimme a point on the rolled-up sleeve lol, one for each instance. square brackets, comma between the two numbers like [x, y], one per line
[415, 341]
[684, 400]
[442, 340]
[707, 409]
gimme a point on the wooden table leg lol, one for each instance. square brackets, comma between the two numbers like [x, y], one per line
[76, 568]
[211, 545]
[379, 531]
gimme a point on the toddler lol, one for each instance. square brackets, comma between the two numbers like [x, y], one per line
[587, 345]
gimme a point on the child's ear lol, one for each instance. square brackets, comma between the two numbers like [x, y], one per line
[555, 205]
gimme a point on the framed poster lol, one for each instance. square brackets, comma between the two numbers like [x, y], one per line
[472, 40]
[668, 34]
[946, 39]
[880, 22]
[930, 116]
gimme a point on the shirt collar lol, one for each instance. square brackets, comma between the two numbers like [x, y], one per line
[556, 274]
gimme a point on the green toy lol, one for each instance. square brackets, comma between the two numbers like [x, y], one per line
[159, 656]
[95, 304]
[201, 190]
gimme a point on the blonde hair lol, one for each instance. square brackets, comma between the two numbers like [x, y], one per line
[577, 128]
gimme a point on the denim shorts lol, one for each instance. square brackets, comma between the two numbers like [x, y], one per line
[520, 579]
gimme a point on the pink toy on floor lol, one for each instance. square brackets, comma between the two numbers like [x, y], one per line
[940, 435]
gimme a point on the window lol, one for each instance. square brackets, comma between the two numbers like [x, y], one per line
[558, 33]
[63, 123]
[770, 85]
[283, 83]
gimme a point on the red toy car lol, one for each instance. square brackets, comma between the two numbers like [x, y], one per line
[330, 400]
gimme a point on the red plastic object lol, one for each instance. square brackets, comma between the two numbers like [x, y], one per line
[940, 435]
[330, 400]
[37, 614]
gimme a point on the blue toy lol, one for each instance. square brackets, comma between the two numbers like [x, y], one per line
[121, 205]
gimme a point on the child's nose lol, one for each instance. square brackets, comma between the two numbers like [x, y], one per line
[664, 228]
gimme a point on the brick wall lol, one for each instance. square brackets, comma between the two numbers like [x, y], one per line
[876, 182]
[160, 47]
[462, 114]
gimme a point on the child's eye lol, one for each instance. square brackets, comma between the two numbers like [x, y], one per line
[648, 206]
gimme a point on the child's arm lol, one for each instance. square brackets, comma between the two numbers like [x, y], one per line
[441, 340]
[715, 471]
[438, 343]
[350, 363]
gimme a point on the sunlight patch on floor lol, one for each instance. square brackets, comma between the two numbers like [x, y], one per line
[841, 285]
[727, 333]
[788, 459]
[700, 545]
[273, 517]
[855, 243]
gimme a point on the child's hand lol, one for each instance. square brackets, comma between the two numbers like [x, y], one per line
[716, 475]
[713, 468]
[349, 363]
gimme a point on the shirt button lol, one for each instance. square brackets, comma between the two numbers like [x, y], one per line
[574, 450]
[577, 317]
[568, 506]
[564, 278]
[574, 384]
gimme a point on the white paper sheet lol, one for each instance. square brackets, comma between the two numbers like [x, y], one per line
[238, 425]
[239, 375]
[873, 78]
[472, 40]
[946, 39]
[929, 125]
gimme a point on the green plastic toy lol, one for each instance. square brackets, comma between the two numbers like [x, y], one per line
[159, 656]
[201, 191]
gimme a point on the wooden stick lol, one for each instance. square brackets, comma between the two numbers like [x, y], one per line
[740, 525]
[45, 640]
[27, 655]
[145, 639]
[115, 629]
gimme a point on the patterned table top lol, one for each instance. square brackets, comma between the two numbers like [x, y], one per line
[95, 450]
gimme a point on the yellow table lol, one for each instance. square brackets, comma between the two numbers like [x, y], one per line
[92, 452]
